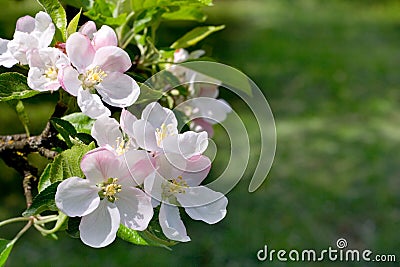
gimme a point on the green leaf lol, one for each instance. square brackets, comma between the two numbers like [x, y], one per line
[142, 238]
[57, 14]
[138, 5]
[5, 249]
[66, 164]
[102, 12]
[148, 95]
[44, 180]
[43, 201]
[65, 128]
[14, 86]
[73, 227]
[195, 36]
[81, 122]
[73, 24]
[186, 13]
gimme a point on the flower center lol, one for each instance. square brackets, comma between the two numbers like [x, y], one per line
[51, 73]
[175, 186]
[122, 145]
[163, 132]
[109, 189]
[92, 77]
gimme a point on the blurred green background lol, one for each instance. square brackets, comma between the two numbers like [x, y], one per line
[330, 71]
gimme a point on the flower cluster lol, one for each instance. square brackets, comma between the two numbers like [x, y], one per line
[89, 65]
[140, 164]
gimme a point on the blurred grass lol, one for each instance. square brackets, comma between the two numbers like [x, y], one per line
[329, 70]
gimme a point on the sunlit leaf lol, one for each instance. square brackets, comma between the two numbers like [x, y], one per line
[14, 86]
[5, 249]
[195, 36]
[57, 14]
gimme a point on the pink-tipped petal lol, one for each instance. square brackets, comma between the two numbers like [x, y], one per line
[127, 120]
[80, 51]
[88, 29]
[112, 59]
[68, 78]
[25, 24]
[136, 166]
[104, 37]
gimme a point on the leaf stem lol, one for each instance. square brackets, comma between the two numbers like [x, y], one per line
[61, 218]
[23, 230]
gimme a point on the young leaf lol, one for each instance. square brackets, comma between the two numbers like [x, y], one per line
[57, 14]
[14, 86]
[5, 249]
[195, 36]
[81, 122]
[66, 164]
[148, 95]
[73, 24]
[142, 238]
[65, 128]
[22, 115]
[43, 201]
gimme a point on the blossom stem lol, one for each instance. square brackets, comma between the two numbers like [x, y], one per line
[13, 220]
[23, 230]
[61, 218]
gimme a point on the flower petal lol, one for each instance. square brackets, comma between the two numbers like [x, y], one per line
[199, 125]
[6, 59]
[25, 24]
[88, 29]
[68, 78]
[77, 197]
[145, 135]
[112, 59]
[100, 164]
[99, 228]
[187, 144]
[80, 51]
[153, 187]
[104, 37]
[91, 105]
[106, 132]
[127, 120]
[202, 203]
[135, 208]
[158, 115]
[171, 223]
[118, 90]
[44, 29]
[136, 166]
[20, 44]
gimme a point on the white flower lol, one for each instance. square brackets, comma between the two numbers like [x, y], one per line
[108, 196]
[156, 124]
[30, 33]
[107, 132]
[175, 187]
[44, 66]
[101, 70]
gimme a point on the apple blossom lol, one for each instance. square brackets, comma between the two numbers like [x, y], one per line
[98, 70]
[44, 67]
[198, 109]
[103, 37]
[156, 124]
[172, 187]
[30, 33]
[106, 131]
[108, 196]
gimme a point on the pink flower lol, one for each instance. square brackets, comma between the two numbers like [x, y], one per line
[108, 196]
[97, 68]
